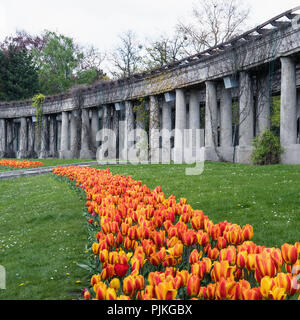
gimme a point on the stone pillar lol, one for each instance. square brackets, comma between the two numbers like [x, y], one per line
[246, 118]
[211, 122]
[53, 136]
[2, 138]
[226, 149]
[154, 129]
[288, 112]
[30, 146]
[85, 152]
[194, 126]
[113, 141]
[64, 144]
[22, 152]
[166, 131]
[9, 139]
[180, 125]
[263, 103]
[75, 126]
[141, 135]
[128, 130]
[94, 129]
[44, 138]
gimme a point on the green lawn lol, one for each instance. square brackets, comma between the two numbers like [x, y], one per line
[267, 197]
[42, 235]
[43, 231]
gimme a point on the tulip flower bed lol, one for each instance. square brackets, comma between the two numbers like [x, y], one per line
[24, 164]
[146, 246]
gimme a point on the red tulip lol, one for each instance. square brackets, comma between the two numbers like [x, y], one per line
[121, 269]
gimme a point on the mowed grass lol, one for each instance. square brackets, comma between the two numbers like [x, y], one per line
[43, 235]
[43, 231]
[267, 197]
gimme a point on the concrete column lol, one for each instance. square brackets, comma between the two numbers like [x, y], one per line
[246, 118]
[263, 104]
[113, 141]
[75, 133]
[64, 144]
[2, 138]
[85, 152]
[94, 129]
[53, 136]
[22, 152]
[166, 131]
[226, 149]
[180, 125]
[44, 152]
[30, 146]
[128, 130]
[9, 139]
[211, 122]
[288, 112]
[154, 129]
[194, 126]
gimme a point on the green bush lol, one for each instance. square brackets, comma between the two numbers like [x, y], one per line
[267, 149]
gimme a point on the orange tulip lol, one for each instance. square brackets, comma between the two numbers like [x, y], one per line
[247, 232]
[159, 238]
[86, 294]
[129, 286]
[252, 294]
[225, 289]
[111, 294]
[139, 282]
[289, 253]
[115, 284]
[193, 286]
[101, 291]
[213, 253]
[194, 257]
[265, 266]
[228, 254]
[277, 293]
[165, 291]
[222, 270]
[221, 243]
[241, 259]
[266, 285]
[211, 291]
[240, 287]
[251, 262]
[177, 250]
[287, 282]
[203, 238]
[189, 237]
[103, 255]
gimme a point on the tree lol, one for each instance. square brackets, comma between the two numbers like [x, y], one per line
[18, 75]
[165, 50]
[126, 58]
[89, 69]
[56, 63]
[22, 40]
[214, 22]
[63, 63]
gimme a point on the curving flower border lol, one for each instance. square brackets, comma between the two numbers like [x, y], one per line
[149, 247]
[21, 164]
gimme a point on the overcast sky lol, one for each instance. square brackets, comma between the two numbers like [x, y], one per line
[99, 22]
